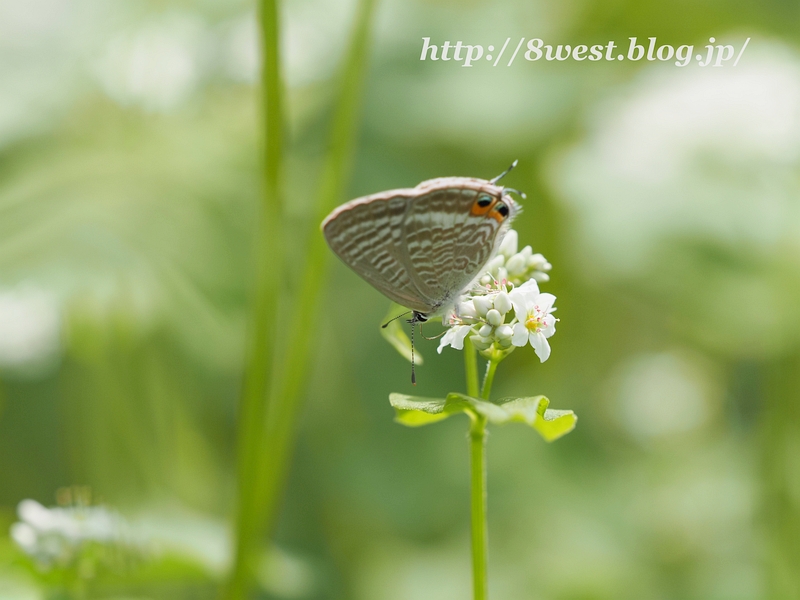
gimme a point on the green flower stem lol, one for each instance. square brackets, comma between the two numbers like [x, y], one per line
[477, 459]
[471, 368]
[486, 390]
[477, 452]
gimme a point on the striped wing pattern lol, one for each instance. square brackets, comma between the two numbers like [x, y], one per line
[420, 247]
[447, 246]
[368, 236]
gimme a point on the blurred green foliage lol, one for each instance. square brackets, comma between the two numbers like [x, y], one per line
[666, 199]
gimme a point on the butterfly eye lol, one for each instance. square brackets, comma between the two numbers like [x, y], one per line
[484, 201]
[502, 209]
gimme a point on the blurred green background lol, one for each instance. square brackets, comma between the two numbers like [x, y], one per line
[667, 199]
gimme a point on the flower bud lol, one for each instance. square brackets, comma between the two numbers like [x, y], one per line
[540, 277]
[539, 262]
[485, 331]
[495, 263]
[481, 343]
[509, 244]
[494, 318]
[516, 265]
[504, 344]
[502, 302]
[482, 304]
[466, 309]
[504, 332]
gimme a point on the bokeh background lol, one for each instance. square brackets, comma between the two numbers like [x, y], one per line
[667, 200]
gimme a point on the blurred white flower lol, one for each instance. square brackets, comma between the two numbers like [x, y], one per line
[686, 186]
[242, 59]
[711, 154]
[57, 535]
[156, 67]
[535, 323]
[30, 327]
[663, 394]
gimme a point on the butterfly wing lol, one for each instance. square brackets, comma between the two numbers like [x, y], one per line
[367, 234]
[420, 247]
[447, 243]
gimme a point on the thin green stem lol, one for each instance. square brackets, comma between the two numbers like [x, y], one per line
[263, 322]
[780, 473]
[274, 381]
[488, 379]
[477, 460]
[471, 367]
[477, 451]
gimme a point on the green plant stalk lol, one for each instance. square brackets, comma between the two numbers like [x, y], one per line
[488, 379]
[276, 427]
[287, 391]
[477, 454]
[262, 334]
[471, 368]
[780, 473]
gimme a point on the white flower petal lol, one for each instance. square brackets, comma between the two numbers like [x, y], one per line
[540, 345]
[545, 301]
[520, 337]
[446, 339]
[529, 291]
[519, 302]
[460, 334]
[549, 327]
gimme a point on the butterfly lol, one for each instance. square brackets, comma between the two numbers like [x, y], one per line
[423, 247]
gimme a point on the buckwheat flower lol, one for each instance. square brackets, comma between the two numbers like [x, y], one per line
[515, 267]
[454, 337]
[535, 323]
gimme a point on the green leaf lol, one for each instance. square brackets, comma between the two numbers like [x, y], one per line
[550, 423]
[396, 335]
[414, 411]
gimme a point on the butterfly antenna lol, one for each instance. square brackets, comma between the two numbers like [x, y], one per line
[504, 173]
[416, 317]
[517, 192]
[413, 374]
[394, 319]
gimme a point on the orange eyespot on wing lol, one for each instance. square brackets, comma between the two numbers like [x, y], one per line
[499, 211]
[482, 205]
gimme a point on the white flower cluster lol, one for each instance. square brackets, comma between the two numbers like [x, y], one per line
[56, 536]
[506, 310]
[516, 267]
